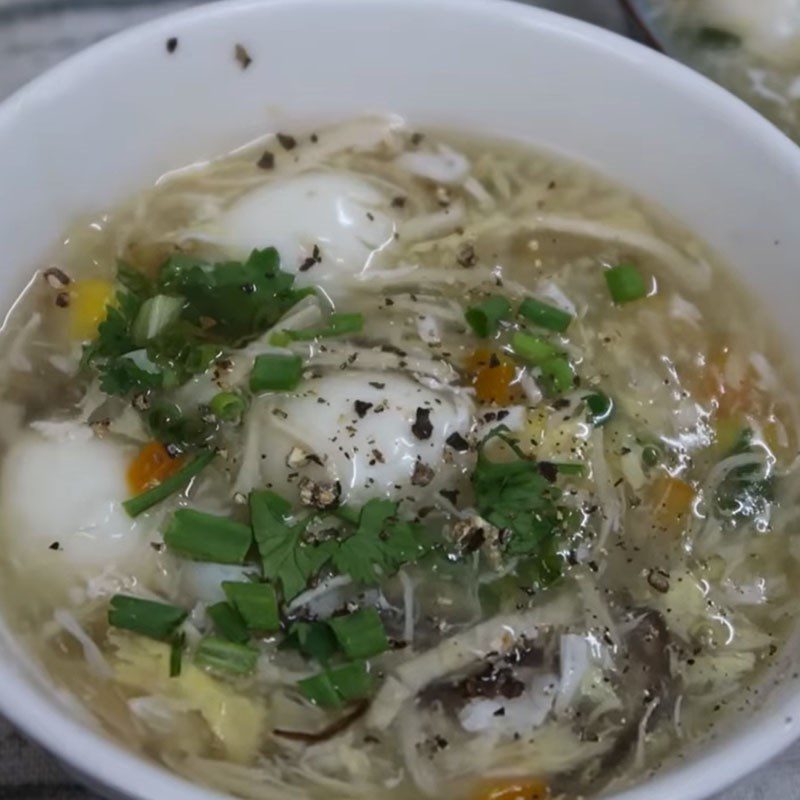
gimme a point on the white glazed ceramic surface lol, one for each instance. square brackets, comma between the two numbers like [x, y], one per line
[112, 119]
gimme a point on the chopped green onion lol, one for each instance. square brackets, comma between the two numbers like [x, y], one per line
[716, 38]
[544, 315]
[337, 325]
[156, 314]
[484, 318]
[227, 406]
[199, 357]
[625, 283]
[312, 639]
[319, 690]
[147, 617]
[331, 688]
[601, 407]
[532, 348]
[164, 417]
[256, 602]
[136, 505]
[570, 468]
[352, 681]
[205, 537]
[651, 455]
[176, 655]
[228, 622]
[560, 374]
[275, 372]
[360, 634]
[225, 656]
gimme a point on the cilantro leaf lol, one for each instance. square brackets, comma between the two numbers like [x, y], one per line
[123, 376]
[242, 299]
[114, 337]
[380, 544]
[285, 556]
[516, 497]
[134, 280]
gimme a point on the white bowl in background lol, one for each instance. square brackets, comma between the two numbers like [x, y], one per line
[110, 120]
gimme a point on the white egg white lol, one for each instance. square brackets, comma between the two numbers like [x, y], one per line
[324, 225]
[61, 506]
[371, 448]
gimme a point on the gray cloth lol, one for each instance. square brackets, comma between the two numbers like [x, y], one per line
[35, 34]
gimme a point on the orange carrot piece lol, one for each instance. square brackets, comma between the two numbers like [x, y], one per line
[672, 498]
[513, 789]
[492, 374]
[152, 465]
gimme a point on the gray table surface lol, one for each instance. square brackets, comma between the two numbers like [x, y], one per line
[34, 35]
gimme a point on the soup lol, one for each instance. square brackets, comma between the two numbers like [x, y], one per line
[753, 49]
[379, 461]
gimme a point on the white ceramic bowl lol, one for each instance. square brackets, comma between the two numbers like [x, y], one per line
[112, 119]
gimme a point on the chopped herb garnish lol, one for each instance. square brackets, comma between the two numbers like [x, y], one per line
[285, 556]
[516, 497]
[176, 654]
[544, 315]
[601, 407]
[241, 299]
[140, 503]
[717, 38]
[228, 622]
[559, 374]
[381, 543]
[313, 639]
[334, 687]
[360, 634]
[336, 325]
[532, 349]
[275, 372]
[485, 318]
[227, 406]
[256, 602]
[224, 656]
[205, 537]
[625, 284]
[146, 617]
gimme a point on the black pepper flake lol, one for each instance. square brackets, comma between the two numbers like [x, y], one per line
[466, 255]
[422, 427]
[377, 385]
[172, 44]
[416, 138]
[267, 160]
[502, 414]
[314, 138]
[55, 546]
[62, 299]
[457, 442]
[494, 361]
[398, 202]
[361, 407]
[548, 471]
[242, 56]
[314, 258]
[378, 456]
[449, 494]
[560, 403]
[423, 474]
[285, 141]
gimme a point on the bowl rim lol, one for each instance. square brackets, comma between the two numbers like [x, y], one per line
[104, 763]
